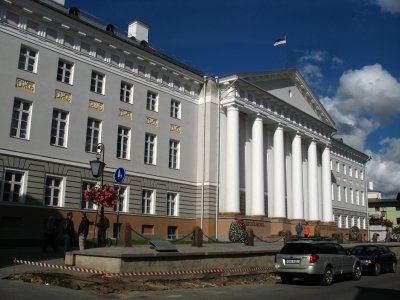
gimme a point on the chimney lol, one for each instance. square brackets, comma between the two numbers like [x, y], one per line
[139, 30]
[61, 2]
[371, 185]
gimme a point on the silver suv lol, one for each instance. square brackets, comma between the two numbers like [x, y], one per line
[322, 259]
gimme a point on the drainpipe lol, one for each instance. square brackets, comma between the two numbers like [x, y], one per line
[366, 195]
[204, 153]
[218, 158]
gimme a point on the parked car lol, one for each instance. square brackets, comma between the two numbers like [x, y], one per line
[375, 258]
[320, 259]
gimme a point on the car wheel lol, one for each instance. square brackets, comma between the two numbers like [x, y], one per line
[286, 279]
[393, 268]
[327, 277]
[357, 273]
[376, 269]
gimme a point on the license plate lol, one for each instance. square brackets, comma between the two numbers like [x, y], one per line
[292, 261]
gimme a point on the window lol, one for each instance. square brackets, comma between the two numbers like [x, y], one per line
[97, 82]
[128, 65]
[332, 192]
[344, 169]
[361, 175]
[32, 27]
[398, 221]
[350, 171]
[165, 79]
[126, 92]
[172, 204]
[337, 167]
[172, 231]
[51, 34]
[13, 185]
[175, 109]
[114, 59]
[346, 220]
[59, 128]
[152, 101]
[356, 173]
[174, 154]
[53, 191]
[27, 59]
[357, 197]
[339, 198]
[100, 54]
[123, 200]
[331, 165]
[187, 89]
[87, 204]
[147, 202]
[123, 142]
[154, 75]
[150, 147]
[362, 198]
[64, 71]
[69, 41]
[85, 48]
[351, 196]
[12, 19]
[345, 194]
[92, 135]
[142, 70]
[177, 84]
[340, 221]
[21, 119]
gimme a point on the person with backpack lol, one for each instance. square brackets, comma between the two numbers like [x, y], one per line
[68, 229]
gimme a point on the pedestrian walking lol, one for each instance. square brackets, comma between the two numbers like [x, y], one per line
[307, 230]
[317, 232]
[83, 231]
[50, 234]
[299, 229]
[68, 229]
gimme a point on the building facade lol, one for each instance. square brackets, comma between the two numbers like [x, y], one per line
[197, 150]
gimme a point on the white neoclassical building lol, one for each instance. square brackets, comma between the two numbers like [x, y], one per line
[198, 150]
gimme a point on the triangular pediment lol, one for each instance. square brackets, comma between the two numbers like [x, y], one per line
[290, 87]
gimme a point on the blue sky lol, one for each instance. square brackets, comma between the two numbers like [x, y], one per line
[347, 50]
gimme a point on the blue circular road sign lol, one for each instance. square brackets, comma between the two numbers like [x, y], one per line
[119, 175]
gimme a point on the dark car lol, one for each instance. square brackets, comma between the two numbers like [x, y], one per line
[320, 259]
[376, 258]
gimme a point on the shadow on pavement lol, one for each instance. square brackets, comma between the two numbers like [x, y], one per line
[376, 293]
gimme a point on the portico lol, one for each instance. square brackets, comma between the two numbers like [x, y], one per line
[277, 150]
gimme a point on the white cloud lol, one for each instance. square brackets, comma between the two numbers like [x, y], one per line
[389, 6]
[311, 73]
[316, 55]
[365, 100]
[337, 62]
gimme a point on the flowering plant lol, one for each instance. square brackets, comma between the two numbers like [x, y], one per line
[102, 196]
[237, 231]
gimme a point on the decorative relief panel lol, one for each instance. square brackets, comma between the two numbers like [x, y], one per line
[151, 122]
[175, 128]
[63, 96]
[95, 105]
[26, 85]
[125, 114]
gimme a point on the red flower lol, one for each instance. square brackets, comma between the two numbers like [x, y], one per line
[106, 196]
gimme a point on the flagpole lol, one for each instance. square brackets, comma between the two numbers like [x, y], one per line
[286, 62]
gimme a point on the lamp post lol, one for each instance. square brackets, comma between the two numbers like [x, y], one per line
[97, 168]
[383, 213]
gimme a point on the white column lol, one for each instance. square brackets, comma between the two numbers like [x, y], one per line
[270, 170]
[297, 178]
[248, 153]
[232, 200]
[279, 174]
[257, 168]
[312, 182]
[326, 185]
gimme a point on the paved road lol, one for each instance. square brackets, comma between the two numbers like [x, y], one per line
[384, 287]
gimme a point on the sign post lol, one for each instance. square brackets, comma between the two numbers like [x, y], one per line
[119, 177]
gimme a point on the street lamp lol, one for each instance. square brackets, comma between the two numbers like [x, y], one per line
[383, 213]
[97, 168]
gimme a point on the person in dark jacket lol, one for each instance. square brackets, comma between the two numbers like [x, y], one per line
[50, 234]
[68, 229]
[83, 231]
[101, 234]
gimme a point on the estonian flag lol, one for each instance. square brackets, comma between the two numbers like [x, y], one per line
[280, 42]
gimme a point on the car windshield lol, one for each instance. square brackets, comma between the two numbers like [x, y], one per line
[298, 248]
[368, 250]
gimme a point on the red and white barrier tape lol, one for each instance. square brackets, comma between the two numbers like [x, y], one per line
[122, 274]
